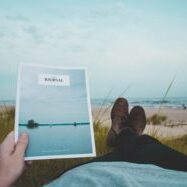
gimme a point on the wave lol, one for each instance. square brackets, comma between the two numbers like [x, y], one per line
[179, 102]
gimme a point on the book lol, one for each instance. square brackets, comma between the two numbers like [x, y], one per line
[53, 107]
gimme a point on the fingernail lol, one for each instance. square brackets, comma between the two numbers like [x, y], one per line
[24, 136]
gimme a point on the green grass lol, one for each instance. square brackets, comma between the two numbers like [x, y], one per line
[44, 171]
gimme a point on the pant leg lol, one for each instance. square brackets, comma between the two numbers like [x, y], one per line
[146, 149]
[151, 151]
[126, 144]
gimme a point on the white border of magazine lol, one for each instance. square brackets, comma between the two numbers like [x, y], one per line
[89, 110]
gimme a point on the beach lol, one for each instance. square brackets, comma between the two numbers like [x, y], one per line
[174, 126]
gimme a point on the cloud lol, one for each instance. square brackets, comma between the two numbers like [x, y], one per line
[35, 33]
[116, 42]
[18, 17]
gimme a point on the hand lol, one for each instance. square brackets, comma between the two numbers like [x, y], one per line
[12, 162]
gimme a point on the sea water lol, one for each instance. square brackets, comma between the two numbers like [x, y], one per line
[168, 102]
[58, 140]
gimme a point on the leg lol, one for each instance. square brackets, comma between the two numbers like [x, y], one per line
[151, 151]
[126, 144]
[146, 149]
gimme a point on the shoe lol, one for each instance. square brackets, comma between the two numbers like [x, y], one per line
[119, 116]
[137, 120]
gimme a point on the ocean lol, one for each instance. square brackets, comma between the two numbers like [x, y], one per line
[170, 102]
[58, 140]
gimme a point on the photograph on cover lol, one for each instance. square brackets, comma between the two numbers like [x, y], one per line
[53, 107]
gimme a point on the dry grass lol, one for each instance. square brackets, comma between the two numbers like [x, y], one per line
[156, 119]
[7, 114]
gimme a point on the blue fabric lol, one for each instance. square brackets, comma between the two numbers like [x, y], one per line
[111, 174]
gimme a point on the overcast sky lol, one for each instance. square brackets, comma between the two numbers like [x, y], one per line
[121, 42]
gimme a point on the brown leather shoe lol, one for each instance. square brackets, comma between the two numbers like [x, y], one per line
[119, 115]
[137, 119]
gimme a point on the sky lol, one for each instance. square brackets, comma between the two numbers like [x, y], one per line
[65, 104]
[139, 45]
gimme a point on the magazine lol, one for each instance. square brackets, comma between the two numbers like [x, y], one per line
[53, 107]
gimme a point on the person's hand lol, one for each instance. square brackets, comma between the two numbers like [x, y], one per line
[12, 162]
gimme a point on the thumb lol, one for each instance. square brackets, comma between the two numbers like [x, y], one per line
[22, 145]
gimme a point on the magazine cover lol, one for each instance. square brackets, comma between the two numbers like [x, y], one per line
[53, 107]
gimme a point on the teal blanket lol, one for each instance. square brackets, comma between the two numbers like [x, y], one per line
[124, 174]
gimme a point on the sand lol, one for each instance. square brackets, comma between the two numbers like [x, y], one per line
[173, 114]
[171, 128]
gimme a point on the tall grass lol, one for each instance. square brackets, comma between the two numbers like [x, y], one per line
[158, 118]
[98, 114]
[166, 92]
[7, 114]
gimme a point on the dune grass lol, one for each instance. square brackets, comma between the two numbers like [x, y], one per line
[166, 92]
[156, 119]
[44, 171]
